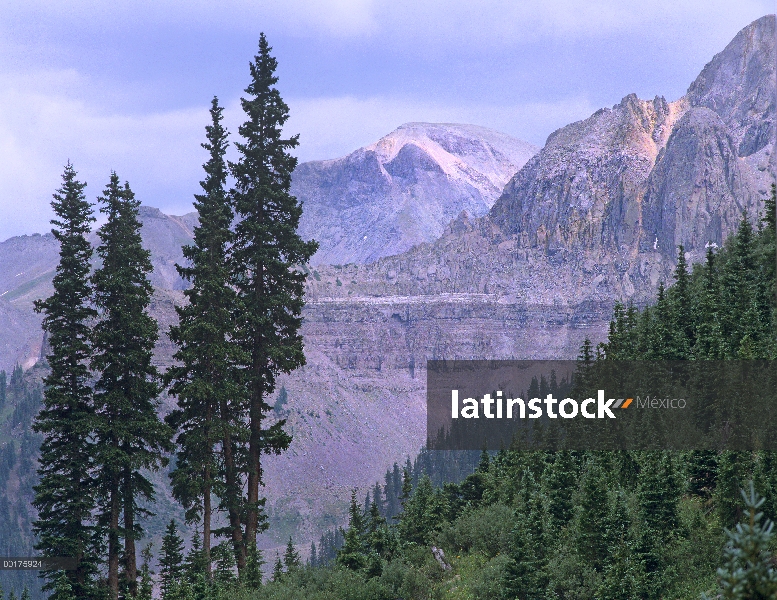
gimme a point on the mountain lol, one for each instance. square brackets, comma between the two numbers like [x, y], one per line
[28, 264]
[402, 190]
[592, 218]
[651, 175]
[597, 214]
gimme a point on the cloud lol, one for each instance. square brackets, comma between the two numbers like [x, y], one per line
[334, 126]
[42, 127]
[495, 21]
[301, 17]
[80, 80]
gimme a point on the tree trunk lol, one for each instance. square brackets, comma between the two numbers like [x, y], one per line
[113, 540]
[255, 421]
[233, 494]
[254, 453]
[130, 560]
[206, 519]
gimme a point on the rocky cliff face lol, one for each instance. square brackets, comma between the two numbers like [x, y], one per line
[403, 190]
[28, 264]
[592, 218]
[583, 190]
[651, 175]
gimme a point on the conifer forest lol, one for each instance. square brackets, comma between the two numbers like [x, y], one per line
[512, 524]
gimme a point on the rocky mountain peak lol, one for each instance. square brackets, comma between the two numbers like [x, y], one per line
[403, 189]
[583, 189]
[456, 149]
[739, 85]
[649, 175]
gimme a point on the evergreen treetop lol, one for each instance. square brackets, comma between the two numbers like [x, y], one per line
[63, 496]
[129, 435]
[267, 254]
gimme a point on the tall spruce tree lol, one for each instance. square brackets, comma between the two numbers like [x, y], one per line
[171, 567]
[710, 343]
[267, 252]
[682, 316]
[130, 436]
[64, 496]
[749, 572]
[146, 586]
[352, 555]
[738, 288]
[291, 558]
[210, 411]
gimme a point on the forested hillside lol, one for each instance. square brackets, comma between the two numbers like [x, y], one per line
[20, 400]
[83, 452]
[646, 524]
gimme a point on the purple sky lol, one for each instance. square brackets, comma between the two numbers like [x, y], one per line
[127, 87]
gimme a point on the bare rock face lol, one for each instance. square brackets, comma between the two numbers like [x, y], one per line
[647, 176]
[698, 189]
[164, 236]
[583, 189]
[739, 85]
[28, 264]
[403, 190]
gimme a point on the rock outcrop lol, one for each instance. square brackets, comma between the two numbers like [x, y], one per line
[404, 189]
[594, 217]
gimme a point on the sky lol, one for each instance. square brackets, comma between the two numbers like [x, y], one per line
[126, 86]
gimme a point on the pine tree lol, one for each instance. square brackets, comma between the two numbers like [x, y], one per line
[733, 470]
[291, 558]
[748, 572]
[526, 573]
[62, 591]
[204, 379]
[2, 389]
[352, 555]
[709, 335]
[619, 572]
[702, 473]
[171, 562]
[591, 523]
[422, 514]
[737, 288]
[267, 253]
[146, 587]
[225, 565]
[681, 310]
[130, 435]
[658, 494]
[407, 487]
[377, 498]
[380, 543]
[63, 496]
[194, 570]
[559, 482]
[277, 570]
[660, 343]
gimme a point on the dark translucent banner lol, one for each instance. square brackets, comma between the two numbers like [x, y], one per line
[38, 563]
[602, 405]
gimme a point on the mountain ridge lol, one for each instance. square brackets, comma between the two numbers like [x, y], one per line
[403, 189]
[593, 218]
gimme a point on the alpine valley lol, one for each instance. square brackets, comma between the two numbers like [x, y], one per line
[454, 241]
